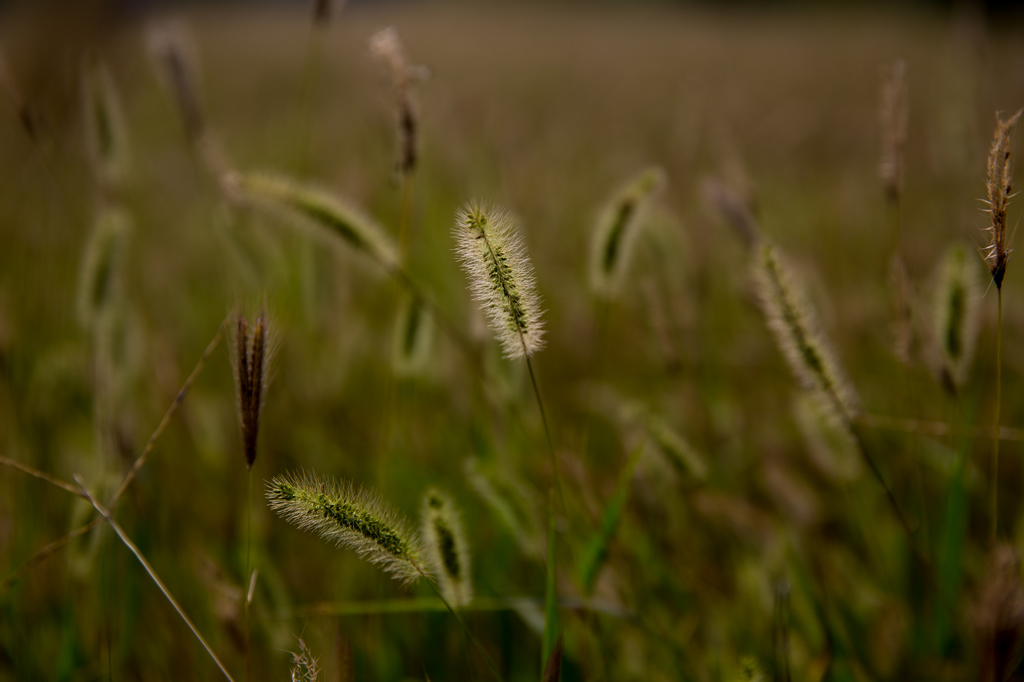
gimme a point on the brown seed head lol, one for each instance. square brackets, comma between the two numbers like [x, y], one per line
[999, 186]
[250, 369]
[386, 47]
[892, 114]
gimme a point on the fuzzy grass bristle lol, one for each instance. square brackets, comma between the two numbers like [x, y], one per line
[351, 518]
[999, 185]
[491, 252]
[616, 231]
[317, 208]
[446, 548]
[806, 349]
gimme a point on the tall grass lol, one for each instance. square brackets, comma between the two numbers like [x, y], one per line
[716, 520]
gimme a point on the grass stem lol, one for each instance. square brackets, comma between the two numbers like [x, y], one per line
[152, 574]
[994, 512]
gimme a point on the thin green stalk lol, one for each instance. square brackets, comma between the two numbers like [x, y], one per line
[995, 440]
[465, 628]
[152, 573]
[248, 614]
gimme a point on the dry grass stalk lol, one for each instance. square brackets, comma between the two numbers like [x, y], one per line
[446, 547]
[999, 186]
[351, 518]
[305, 667]
[616, 232]
[317, 208]
[500, 275]
[386, 47]
[893, 113]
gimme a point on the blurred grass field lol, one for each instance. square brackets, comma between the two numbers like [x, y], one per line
[546, 111]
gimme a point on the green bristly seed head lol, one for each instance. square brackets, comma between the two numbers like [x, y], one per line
[319, 209]
[105, 128]
[805, 348]
[617, 230]
[446, 546]
[957, 298]
[351, 518]
[100, 279]
[492, 254]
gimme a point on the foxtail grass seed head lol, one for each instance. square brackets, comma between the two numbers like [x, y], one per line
[106, 132]
[1000, 187]
[675, 447]
[319, 209]
[727, 203]
[957, 299]
[446, 548]
[616, 231]
[175, 61]
[491, 252]
[893, 112]
[99, 282]
[351, 518]
[251, 360]
[791, 319]
[512, 502]
[386, 47]
[414, 335]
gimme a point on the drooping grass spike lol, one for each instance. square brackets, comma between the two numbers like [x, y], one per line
[350, 517]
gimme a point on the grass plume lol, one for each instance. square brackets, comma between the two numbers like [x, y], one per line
[100, 277]
[999, 186]
[957, 299]
[251, 359]
[351, 518]
[413, 339]
[616, 232]
[893, 112]
[319, 209]
[446, 548]
[796, 331]
[106, 131]
[386, 47]
[491, 252]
